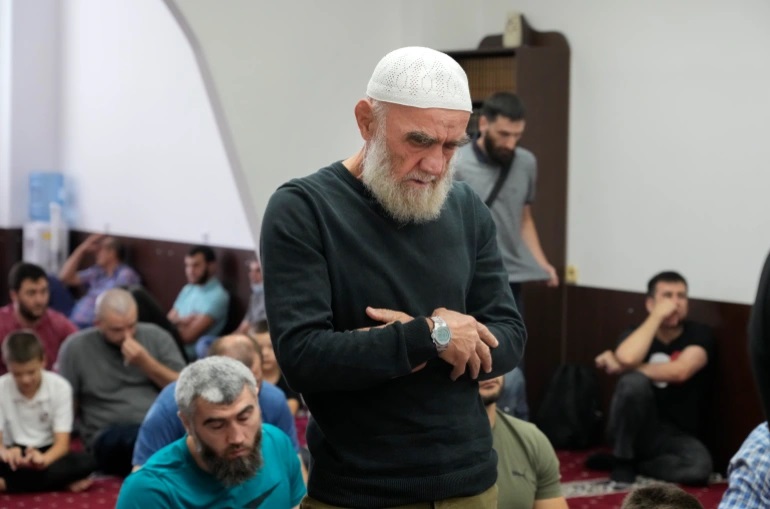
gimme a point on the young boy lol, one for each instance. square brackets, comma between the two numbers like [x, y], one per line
[36, 412]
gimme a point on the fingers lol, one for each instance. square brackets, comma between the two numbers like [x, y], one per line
[474, 364]
[486, 336]
[387, 315]
[485, 357]
[457, 371]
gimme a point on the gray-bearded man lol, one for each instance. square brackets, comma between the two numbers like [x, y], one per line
[387, 300]
[228, 458]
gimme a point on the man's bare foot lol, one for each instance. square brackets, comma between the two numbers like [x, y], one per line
[81, 485]
[3, 486]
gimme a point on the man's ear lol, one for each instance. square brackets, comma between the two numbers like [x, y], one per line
[365, 118]
[483, 124]
[185, 422]
[13, 295]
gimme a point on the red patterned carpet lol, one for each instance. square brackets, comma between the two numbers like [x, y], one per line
[593, 490]
[584, 489]
[101, 495]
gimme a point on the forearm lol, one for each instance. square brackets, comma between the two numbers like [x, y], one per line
[532, 241]
[58, 450]
[511, 337]
[670, 372]
[69, 270]
[319, 360]
[156, 371]
[632, 350]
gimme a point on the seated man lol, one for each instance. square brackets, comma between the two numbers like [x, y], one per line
[658, 405]
[256, 312]
[201, 307]
[109, 271]
[527, 466]
[116, 370]
[228, 457]
[36, 409]
[28, 285]
[162, 426]
[272, 372]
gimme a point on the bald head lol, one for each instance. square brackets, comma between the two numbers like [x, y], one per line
[116, 301]
[241, 348]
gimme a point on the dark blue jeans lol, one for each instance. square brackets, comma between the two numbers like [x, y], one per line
[659, 449]
[113, 448]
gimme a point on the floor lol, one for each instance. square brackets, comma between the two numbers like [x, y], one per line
[584, 490]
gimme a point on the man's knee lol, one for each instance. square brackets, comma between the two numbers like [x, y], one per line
[633, 385]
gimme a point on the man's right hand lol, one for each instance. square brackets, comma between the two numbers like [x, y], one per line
[470, 344]
[12, 457]
[663, 309]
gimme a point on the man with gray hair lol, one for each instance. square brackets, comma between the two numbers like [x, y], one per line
[228, 458]
[387, 301]
[116, 370]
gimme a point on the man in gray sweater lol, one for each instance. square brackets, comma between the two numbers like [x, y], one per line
[116, 370]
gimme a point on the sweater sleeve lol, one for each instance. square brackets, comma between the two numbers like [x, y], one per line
[298, 297]
[490, 300]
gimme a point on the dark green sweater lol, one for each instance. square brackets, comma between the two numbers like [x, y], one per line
[380, 435]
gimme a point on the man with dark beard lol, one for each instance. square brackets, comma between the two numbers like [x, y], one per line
[200, 309]
[228, 458]
[659, 402]
[527, 466]
[28, 287]
[387, 301]
[495, 161]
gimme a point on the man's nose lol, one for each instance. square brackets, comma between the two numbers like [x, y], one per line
[434, 161]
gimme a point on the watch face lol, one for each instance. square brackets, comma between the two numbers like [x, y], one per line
[442, 335]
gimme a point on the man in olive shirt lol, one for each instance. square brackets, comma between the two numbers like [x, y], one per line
[527, 467]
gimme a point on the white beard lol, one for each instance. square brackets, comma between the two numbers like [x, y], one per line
[401, 201]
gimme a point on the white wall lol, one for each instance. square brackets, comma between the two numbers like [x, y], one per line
[667, 142]
[668, 134]
[29, 100]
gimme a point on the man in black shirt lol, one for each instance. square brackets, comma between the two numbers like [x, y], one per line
[387, 299]
[659, 400]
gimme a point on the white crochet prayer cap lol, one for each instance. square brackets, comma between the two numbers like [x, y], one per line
[421, 78]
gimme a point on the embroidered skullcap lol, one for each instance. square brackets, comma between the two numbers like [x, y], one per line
[421, 78]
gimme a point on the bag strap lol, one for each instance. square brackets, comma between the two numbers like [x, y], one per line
[498, 185]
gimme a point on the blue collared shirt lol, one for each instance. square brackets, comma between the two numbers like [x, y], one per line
[749, 473]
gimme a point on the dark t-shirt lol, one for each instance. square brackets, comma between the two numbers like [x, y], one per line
[684, 404]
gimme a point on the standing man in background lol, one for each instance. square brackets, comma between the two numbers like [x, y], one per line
[504, 175]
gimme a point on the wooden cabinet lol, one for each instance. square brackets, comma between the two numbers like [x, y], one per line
[538, 72]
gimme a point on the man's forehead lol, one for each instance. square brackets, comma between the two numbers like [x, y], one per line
[206, 410]
[434, 122]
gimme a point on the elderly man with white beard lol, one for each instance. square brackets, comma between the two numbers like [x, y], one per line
[228, 458]
[388, 301]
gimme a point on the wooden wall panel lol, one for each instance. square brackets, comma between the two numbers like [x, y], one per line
[10, 253]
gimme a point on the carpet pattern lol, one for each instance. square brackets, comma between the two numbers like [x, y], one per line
[584, 489]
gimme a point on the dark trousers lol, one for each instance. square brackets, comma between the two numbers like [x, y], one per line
[659, 449]
[113, 448]
[59, 474]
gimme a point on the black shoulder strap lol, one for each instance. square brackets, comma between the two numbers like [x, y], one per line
[498, 185]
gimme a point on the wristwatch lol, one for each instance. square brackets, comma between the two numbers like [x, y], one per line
[441, 334]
